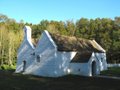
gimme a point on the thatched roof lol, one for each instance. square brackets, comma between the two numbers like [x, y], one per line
[83, 47]
[66, 43]
[34, 41]
[81, 57]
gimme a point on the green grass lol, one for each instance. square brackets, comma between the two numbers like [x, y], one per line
[112, 71]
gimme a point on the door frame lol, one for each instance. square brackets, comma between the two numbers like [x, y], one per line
[93, 68]
[24, 66]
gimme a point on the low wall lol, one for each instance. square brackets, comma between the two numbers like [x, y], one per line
[113, 65]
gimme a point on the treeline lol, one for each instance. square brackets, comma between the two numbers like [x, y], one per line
[11, 35]
[104, 30]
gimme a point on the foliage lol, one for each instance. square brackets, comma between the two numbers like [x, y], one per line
[10, 39]
[7, 67]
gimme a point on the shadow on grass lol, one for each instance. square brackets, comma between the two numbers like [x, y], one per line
[12, 81]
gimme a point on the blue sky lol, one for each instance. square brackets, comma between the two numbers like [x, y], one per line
[33, 11]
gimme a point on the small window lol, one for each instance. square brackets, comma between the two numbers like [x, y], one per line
[33, 53]
[101, 59]
[38, 58]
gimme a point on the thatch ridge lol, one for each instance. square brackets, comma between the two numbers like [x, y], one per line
[81, 57]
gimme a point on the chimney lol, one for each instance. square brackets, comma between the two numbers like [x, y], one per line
[27, 35]
[27, 31]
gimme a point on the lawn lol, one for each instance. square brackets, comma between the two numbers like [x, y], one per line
[112, 71]
[12, 81]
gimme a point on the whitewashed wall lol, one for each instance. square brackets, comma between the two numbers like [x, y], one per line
[52, 63]
[86, 68]
[113, 65]
[79, 69]
[26, 48]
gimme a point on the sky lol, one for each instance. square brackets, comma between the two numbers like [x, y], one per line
[33, 11]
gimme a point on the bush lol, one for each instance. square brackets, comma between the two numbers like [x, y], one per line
[7, 67]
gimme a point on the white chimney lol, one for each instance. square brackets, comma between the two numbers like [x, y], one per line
[27, 31]
[27, 35]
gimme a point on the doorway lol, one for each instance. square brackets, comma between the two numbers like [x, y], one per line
[93, 71]
[24, 65]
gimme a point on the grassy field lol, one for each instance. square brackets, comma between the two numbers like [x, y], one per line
[12, 81]
[112, 71]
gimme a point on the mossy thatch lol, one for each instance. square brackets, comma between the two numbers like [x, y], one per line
[66, 43]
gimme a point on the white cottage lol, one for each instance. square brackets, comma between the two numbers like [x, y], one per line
[58, 55]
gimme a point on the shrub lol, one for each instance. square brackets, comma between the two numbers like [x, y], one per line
[7, 67]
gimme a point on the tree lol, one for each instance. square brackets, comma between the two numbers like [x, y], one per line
[70, 26]
[82, 28]
[3, 18]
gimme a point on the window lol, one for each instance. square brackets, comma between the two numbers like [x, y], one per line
[38, 58]
[33, 53]
[101, 59]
